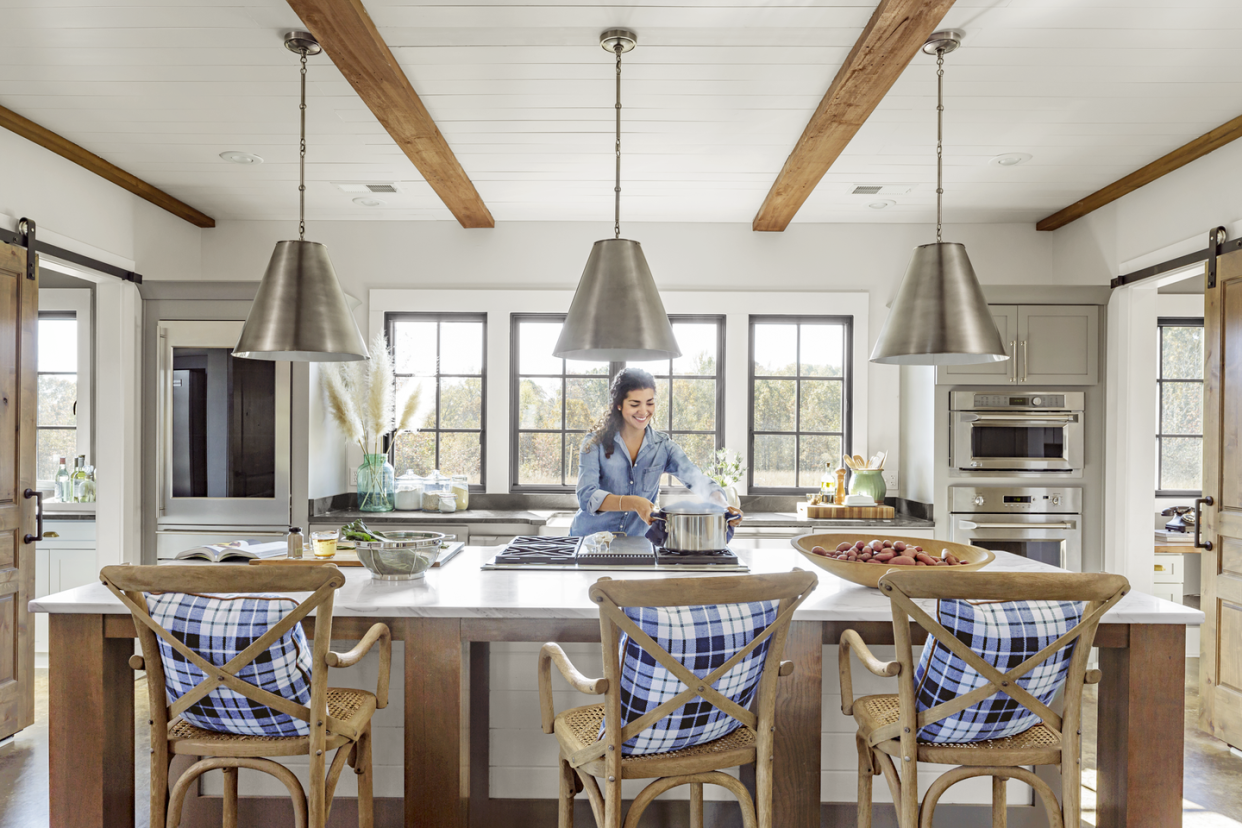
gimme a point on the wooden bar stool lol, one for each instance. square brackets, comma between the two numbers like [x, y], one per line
[650, 693]
[203, 604]
[906, 727]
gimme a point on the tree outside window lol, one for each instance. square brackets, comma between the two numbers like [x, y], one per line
[556, 402]
[443, 355]
[800, 395]
[1179, 408]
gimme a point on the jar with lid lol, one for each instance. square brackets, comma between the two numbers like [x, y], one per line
[461, 488]
[448, 502]
[409, 495]
[434, 485]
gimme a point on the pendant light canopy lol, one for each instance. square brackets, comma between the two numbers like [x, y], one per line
[940, 316]
[617, 313]
[300, 313]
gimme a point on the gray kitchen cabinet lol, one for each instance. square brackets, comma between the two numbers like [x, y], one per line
[988, 373]
[1048, 345]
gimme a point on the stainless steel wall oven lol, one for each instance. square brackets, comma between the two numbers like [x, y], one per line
[1037, 433]
[1044, 525]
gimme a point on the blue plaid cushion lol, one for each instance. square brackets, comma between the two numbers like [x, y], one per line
[218, 627]
[1004, 635]
[702, 638]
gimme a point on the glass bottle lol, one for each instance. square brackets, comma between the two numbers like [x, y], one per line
[88, 485]
[827, 483]
[79, 478]
[293, 542]
[64, 492]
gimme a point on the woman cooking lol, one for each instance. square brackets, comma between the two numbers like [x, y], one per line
[623, 459]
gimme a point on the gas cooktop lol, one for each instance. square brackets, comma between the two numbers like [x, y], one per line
[564, 553]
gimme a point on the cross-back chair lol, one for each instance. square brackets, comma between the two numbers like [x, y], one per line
[889, 726]
[336, 719]
[593, 738]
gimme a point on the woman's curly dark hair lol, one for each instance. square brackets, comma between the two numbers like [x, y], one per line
[605, 431]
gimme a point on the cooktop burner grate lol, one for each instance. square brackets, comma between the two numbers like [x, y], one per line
[539, 549]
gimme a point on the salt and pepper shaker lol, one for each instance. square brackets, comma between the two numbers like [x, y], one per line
[294, 542]
[840, 498]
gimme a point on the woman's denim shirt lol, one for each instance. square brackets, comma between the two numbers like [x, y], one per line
[600, 476]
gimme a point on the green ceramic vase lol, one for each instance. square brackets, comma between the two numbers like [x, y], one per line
[869, 482]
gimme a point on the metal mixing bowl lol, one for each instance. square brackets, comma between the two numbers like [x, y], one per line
[401, 556]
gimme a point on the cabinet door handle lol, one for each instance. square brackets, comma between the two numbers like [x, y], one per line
[38, 496]
[1026, 353]
[1199, 542]
[1013, 359]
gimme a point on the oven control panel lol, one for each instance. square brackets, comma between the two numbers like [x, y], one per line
[1002, 499]
[1026, 401]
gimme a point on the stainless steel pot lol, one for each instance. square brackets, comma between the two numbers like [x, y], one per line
[696, 531]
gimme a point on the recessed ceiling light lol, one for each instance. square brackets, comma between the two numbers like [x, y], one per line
[368, 202]
[241, 157]
[1011, 159]
[882, 204]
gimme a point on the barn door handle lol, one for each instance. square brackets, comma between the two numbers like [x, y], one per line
[38, 496]
[1199, 542]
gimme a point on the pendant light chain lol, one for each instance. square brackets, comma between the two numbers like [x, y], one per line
[302, 157]
[617, 190]
[939, 141]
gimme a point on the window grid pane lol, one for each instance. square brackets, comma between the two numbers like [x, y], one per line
[799, 395]
[444, 356]
[1179, 406]
[56, 381]
[582, 394]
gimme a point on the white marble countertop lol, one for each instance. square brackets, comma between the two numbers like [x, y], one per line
[461, 590]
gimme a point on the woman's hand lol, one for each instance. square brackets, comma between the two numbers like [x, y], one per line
[733, 510]
[640, 506]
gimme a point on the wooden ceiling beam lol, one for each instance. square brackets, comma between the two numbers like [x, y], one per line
[65, 148]
[350, 38]
[893, 36]
[1180, 157]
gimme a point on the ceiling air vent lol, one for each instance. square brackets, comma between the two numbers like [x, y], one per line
[881, 189]
[868, 189]
[368, 186]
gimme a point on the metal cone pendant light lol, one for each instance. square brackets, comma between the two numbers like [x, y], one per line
[940, 316]
[300, 313]
[617, 313]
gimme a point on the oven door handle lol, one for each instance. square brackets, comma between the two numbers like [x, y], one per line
[970, 524]
[1060, 419]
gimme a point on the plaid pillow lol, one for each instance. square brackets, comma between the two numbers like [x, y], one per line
[1004, 634]
[702, 638]
[218, 627]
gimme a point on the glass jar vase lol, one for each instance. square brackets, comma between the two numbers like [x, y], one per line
[376, 484]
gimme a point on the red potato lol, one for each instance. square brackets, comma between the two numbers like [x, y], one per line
[951, 559]
[886, 544]
[841, 547]
[859, 545]
[902, 560]
[900, 546]
[925, 558]
[818, 550]
[918, 549]
[886, 555]
[920, 563]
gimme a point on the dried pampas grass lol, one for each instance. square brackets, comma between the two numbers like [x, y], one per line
[411, 410]
[361, 399]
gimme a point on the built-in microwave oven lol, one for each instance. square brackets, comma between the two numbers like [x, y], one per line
[1036, 433]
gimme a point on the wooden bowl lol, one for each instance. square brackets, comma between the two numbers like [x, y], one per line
[869, 574]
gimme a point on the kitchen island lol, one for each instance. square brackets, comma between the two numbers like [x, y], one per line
[447, 622]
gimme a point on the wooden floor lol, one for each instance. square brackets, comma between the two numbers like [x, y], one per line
[1212, 797]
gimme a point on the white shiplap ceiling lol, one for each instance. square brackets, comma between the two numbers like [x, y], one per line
[714, 98]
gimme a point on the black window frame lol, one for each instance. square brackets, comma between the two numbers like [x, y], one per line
[440, 317]
[847, 395]
[613, 367]
[1162, 323]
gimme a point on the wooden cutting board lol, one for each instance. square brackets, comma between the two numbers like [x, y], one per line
[345, 557]
[821, 511]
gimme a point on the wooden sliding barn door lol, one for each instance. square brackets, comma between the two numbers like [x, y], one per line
[19, 310]
[1220, 663]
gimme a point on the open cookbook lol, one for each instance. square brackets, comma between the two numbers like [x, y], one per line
[246, 549]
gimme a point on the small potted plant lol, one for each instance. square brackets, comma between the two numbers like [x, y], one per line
[727, 471]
